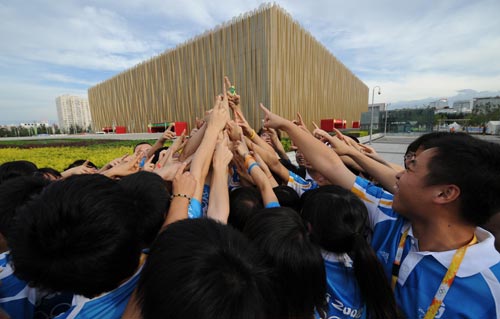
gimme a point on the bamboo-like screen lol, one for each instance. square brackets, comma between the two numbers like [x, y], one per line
[267, 55]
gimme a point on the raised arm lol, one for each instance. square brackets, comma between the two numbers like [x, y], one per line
[259, 177]
[321, 157]
[183, 187]
[218, 205]
[166, 136]
[193, 143]
[269, 157]
[203, 156]
[385, 175]
[278, 147]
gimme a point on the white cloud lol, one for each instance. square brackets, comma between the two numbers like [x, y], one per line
[66, 79]
[412, 49]
[418, 86]
[86, 37]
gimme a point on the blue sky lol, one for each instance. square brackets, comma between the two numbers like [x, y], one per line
[413, 50]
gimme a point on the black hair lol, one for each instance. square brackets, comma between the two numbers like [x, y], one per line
[262, 130]
[46, 172]
[423, 140]
[77, 236]
[80, 162]
[141, 143]
[243, 203]
[156, 156]
[287, 197]
[13, 194]
[15, 169]
[472, 165]
[280, 233]
[152, 199]
[199, 268]
[352, 137]
[337, 220]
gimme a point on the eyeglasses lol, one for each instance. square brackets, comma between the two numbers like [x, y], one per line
[410, 156]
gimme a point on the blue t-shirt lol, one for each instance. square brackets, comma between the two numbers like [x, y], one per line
[475, 292]
[16, 298]
[110, 305]
[197, 209]
[343, 294]
[299, 184]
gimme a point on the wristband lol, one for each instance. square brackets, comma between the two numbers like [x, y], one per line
[248, 159]
[180, 195]
[252, 135]
[252, 166]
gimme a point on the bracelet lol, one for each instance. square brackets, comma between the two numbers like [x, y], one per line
[252, 135]
[252, 166]
[248, 159]
[180, 195]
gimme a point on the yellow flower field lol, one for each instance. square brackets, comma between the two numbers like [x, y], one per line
[60, 157]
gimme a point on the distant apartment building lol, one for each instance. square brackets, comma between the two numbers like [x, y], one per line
[439, 104]
[486, 104]
[463, 106]
[446, 110]
[72, 111]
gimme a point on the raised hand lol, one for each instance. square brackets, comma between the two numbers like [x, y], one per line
[272, 120]
[242, 122]
[183, 182]
[148, 165]
[168, 134]
[319, 133]
[222, 154]
[125, 168]
[220, 112]
[234, 131]
[199, 123]
[233, 98]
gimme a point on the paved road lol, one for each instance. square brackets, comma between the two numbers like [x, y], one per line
[393, 147]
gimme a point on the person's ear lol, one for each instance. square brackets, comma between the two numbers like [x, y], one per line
[447, 194]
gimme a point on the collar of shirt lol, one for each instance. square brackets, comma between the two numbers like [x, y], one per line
[308, 177]
[484, 251]
[337, 258]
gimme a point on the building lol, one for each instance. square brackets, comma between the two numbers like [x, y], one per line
[446, 110]
[439, 104]
[267, 55]
[72, 112]
[366, 117]
[485, 105]
[463, 106]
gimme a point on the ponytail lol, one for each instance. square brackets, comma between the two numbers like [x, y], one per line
[374, 287]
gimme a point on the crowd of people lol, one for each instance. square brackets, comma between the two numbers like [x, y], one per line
[222, 224]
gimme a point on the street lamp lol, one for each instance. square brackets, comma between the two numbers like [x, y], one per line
[371, 119]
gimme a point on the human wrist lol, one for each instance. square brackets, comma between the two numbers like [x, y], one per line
[251, 167]
[180, 195]
[251, 134]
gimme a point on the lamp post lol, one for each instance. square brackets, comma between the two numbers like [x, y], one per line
[371, 119]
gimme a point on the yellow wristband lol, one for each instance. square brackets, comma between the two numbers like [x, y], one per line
[252, 135]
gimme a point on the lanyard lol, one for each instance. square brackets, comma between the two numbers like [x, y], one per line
[448, 277]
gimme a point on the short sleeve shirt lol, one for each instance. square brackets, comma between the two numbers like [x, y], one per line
[475, 292]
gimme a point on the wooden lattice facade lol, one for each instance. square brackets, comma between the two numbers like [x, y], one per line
[267, 55]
